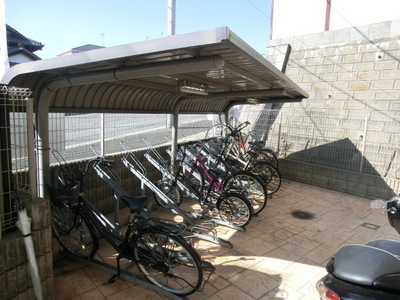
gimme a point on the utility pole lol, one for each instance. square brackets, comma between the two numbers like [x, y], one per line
[102, 38]
[171, 17]
[271, 31]
[170, 32]
[328, 14]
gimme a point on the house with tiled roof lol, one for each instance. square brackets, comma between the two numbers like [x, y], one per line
[20, 48]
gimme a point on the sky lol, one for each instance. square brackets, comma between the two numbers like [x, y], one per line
[63, 25]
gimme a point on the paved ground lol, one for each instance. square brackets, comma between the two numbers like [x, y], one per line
[278, 257]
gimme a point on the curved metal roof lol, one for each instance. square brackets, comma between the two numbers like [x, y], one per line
[145, 76]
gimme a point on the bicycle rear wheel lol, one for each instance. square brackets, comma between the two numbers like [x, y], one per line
[169, 262]
[218, 131]
[75, 235]
[268, 174]
[235, 209]
[268, 155]
[171, 190]
[249, 185]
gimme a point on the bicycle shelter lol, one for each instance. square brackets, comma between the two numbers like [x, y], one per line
[202, 72]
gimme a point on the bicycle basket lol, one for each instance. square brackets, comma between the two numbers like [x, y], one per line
[61, 187]
[216, 146]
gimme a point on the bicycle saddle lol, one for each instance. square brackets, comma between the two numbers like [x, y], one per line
[135, 203]
[367, 265]
[257, 144]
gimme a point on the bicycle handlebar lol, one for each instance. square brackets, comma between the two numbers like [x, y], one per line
[241, 126]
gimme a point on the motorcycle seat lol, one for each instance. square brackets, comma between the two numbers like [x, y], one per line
[391, 246]
[368, 265]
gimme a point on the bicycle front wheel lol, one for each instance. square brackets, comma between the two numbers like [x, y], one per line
[75, 235]
[192, 176]
[249, 185]
[234, 209]
[169, 262]
[268, 174]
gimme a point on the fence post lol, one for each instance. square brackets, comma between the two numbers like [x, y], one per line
[364, 144]
[279, 134]
[102, 135]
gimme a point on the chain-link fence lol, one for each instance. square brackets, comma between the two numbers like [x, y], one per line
[16, 140]
[74, 135]
[365, 143]
[354, 142]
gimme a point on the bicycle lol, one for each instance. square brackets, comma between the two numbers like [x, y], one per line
[203, 230]
[232, 208]
[240, 181]
[260, 162]
[165, 258]
[239, 147]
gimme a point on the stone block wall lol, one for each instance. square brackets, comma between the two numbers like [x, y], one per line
[15, 277]
[349, 72]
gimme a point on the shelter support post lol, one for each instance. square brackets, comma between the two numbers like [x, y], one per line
[174, 133]
[31, 152]
[174, 142]
[42, 139]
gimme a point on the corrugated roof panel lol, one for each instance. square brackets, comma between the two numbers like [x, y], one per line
[123, 98]
[144, 76]
[116, 98]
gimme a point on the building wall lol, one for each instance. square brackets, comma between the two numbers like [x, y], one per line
[346, 72]
[18, 58]
[293, 17]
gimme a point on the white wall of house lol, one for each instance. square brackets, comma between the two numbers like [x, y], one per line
[4, 65]
[294, 17]
[19, 58]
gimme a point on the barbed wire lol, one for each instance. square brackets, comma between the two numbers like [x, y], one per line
[15, 91]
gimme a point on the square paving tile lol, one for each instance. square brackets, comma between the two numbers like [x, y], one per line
[278, 257]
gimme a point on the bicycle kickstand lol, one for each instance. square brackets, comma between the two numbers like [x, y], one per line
[114, 277]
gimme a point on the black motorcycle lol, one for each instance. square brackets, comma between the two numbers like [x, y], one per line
[370, 271]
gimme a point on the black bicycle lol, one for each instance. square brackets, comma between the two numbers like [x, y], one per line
[165, 258]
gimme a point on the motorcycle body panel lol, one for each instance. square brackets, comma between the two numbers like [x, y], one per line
[350, 291]
[366, 272]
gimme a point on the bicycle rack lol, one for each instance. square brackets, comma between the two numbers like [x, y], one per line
[135, 278]
[162, 166]
[129, 160]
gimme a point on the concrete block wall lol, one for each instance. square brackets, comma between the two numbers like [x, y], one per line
[362, 185]
[15, 277]
[347, 72]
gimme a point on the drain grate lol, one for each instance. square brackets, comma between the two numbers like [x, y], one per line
[370, 226]
[301, 214]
